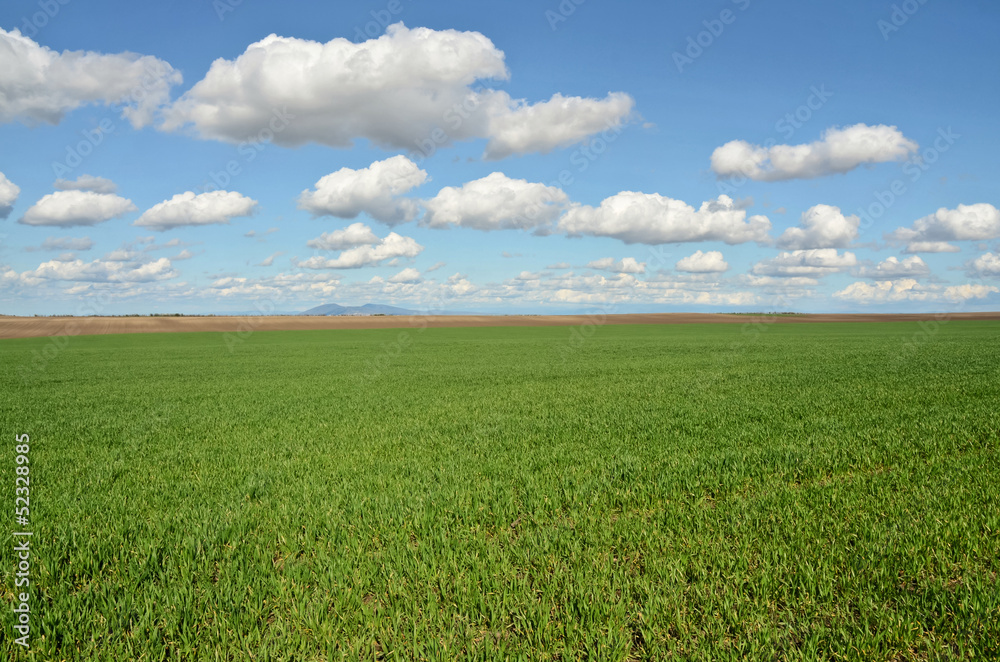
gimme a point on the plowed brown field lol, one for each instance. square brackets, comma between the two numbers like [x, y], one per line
[27, 327]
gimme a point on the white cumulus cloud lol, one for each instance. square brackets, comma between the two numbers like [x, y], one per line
[38, 84]
[986, 265]
[372, 190]
[932, 233]
[8, 195]
[459, 286]
[931, 247]
[212, 208]
[355, 234]
[495, 202]
[69, 208]
[893, 268]
[392, 246]
[839, 151]
[703, 263]
[821, 226]
[408, 89]
[627, 265]
[908, 289]
[121, 255]
[66, 244]
[558, 122]
[87, 183]
[784, 284]
[808, 263]
[103, 271]
[408, 275]
[269, 260]
[654, 219]
[968, 291]
[886, 291]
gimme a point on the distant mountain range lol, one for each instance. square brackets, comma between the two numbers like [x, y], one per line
[333, 309]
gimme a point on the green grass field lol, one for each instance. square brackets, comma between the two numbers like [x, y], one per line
[704, 492]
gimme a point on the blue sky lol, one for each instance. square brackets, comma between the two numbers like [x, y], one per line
[728, 155]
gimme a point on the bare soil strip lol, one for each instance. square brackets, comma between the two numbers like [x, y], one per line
[28, 327]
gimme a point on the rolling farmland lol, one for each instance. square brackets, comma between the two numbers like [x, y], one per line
[627, 492]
